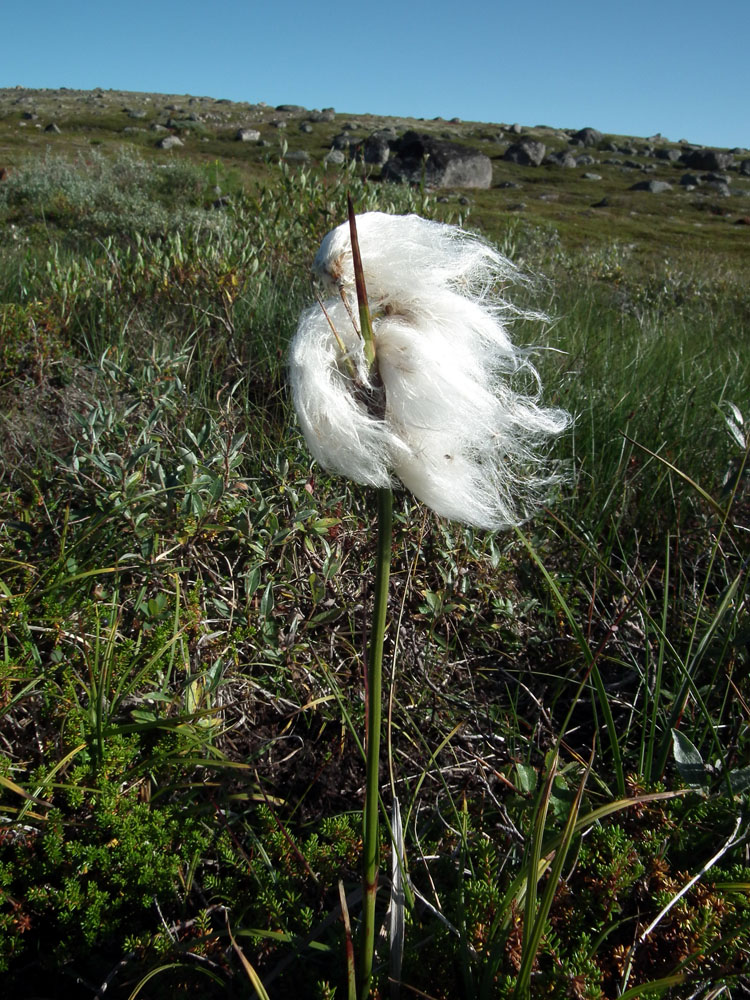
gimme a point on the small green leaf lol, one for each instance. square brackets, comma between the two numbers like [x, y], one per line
[526, 778]
[688, 760]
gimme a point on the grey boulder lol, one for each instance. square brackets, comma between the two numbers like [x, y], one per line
[528, 152]
[440, 164]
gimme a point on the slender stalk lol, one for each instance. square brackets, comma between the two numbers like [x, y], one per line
[365, 320]
[372, 747]
[370, 824]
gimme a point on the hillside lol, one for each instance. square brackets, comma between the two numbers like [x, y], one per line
[586, 197]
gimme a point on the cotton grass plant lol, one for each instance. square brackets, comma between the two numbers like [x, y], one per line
[428, 390]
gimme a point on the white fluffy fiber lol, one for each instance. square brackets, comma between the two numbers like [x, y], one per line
[454, 429]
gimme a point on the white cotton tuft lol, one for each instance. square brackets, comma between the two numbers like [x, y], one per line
[447, 420]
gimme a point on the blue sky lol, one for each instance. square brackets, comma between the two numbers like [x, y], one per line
[679, 67]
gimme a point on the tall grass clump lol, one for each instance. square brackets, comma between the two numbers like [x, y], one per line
[183, 608]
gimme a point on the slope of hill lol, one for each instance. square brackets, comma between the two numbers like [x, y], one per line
[657, 196]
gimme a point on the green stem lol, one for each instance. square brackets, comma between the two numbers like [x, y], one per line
[365, 320]
[372, 749]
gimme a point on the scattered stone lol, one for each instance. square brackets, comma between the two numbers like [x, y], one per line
[604, 203]
[305, 127]
[279, 123]
[29, 116]
[564, 158]
[714, 176]
[157, 127]
[334, 156]
[169, 142]
[376, 149]
[655, 187]
[587, 137]
[439, 163]
[327, 115]
[690, 180]
[342, 141]
[136, 113]
[528, 153]
[247, 135]
[672, 155]
[592, 177]
[707, 159]
[297, 156]
[52, 129]
[586, 160]
[719, 188]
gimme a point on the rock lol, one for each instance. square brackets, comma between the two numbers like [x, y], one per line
[157, 127]
[592, 177]
[169, 142]
[510, 184]
[719, 188]
[297, 156]
[247, 135]
[52, 129]
[713, 176]
[439, 163]
[279, 123]
[528, 152]
[342, 141]
[455, 121]
[745, 168]
[305, 127]
[334, 156]
[293, 109]
[376, 149]
[326, 115]
[604, 203]
[515, 128]
[655, 187]
[586, 160]
[744, 221]
[549, 196]
[707, 159]
[136, 113]
[668, 154]
[562, 159]
[690, 180]
[587, 137]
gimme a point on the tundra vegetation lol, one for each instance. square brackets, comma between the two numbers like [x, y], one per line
[184, 599]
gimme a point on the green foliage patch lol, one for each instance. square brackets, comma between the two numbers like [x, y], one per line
[182, 607]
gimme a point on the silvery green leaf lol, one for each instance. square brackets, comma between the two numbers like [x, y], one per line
[688, 760]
